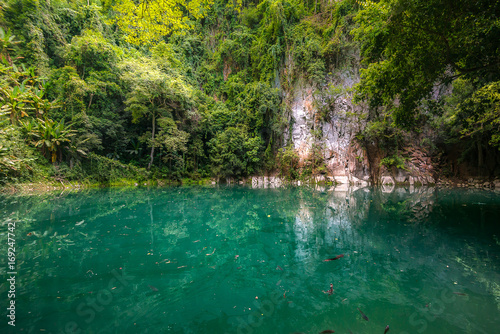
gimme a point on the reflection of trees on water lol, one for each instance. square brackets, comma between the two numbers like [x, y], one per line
[211, 251]
[391, 239]
[49, 227]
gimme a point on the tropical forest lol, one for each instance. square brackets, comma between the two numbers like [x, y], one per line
[103, 91]
[250, 166]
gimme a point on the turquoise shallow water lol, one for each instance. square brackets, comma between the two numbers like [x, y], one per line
[242, 260]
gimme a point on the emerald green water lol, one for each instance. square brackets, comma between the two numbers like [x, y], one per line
[242, 260]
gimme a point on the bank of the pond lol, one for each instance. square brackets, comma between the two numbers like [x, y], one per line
[51, 184]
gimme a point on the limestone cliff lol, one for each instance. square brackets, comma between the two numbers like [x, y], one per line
[325, 121]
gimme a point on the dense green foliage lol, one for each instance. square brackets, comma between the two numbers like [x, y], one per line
[208, 92]
[211, 102]
[410, 47]
[432, 64]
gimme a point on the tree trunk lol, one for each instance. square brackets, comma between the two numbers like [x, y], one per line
[480, 159]
[161, 153]
[152, 143]
[374, 156]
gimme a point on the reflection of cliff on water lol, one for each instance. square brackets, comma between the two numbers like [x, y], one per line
[219, 247]
[392, 237]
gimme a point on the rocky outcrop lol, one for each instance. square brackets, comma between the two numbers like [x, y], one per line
[276, 181]
[326, 123]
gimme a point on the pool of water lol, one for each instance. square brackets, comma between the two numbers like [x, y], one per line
[243, 260]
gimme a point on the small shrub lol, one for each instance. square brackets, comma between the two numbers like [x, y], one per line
[394, 160]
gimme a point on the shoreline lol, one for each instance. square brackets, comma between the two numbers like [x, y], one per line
[54, 185]
[254, 182]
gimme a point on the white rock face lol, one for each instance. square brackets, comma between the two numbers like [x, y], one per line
[387, 180]
[302, 114]
[336, 133]
[342, 179]
[327, 119]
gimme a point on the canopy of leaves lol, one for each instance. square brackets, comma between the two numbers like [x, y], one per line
[234, 153]
[410, 46]
[148, 21]
[208, 86]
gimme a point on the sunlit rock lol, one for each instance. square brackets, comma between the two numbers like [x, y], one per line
[388, 187]
[386, 180]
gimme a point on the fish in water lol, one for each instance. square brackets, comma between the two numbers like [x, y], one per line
[334, 258]
[279, 268]
[386, 329]
[153, 288]
[460, 293]
[329, 291]
[363, 315]
[328, 331]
